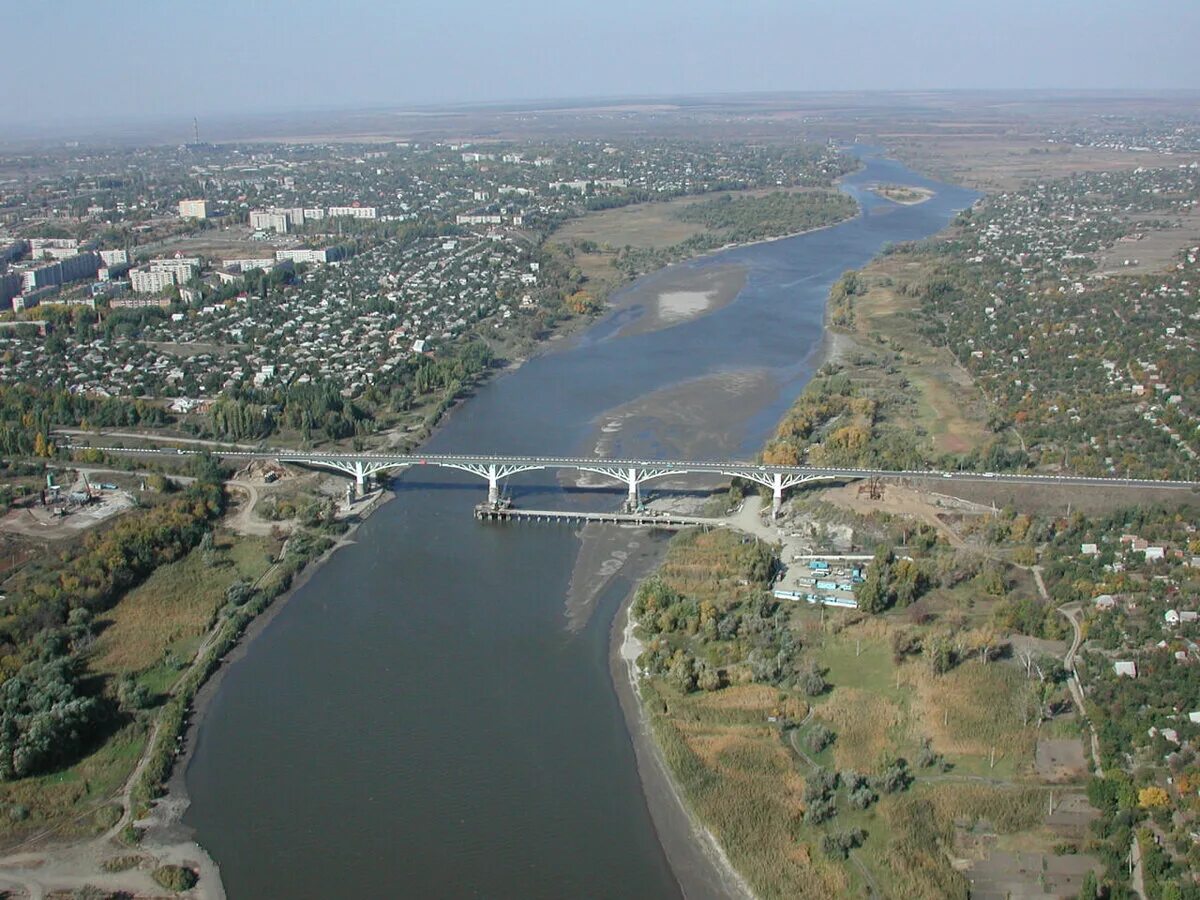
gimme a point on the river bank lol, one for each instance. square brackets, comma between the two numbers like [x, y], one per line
[162, 838]
[703, 870]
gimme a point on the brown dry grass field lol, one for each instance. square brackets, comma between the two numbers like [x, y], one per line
[878, 707]
[742, 783]
[646, 225]
[173, 608]
[1155, 250]
[643, 225]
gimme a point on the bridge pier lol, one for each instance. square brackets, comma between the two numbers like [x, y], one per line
[631, 479]
[776, 495]
[493, 480]
[360, 479]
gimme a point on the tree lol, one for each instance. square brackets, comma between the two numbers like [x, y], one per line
[43, 719]
[838, 844]
[813, 682]
[941, 655]
[132, 694]
[175, 878]
[238, 592]
[874, 593]
[894, 776]
[1153, 798]
[707, 676]
[908, 582]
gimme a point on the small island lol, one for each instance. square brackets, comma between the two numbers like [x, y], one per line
[902, 193]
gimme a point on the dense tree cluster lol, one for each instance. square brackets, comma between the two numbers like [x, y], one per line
[743, 219]
[889, 582]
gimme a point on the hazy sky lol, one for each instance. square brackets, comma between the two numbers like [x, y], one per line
[66, 60]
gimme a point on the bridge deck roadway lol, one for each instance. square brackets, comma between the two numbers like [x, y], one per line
[376, 462]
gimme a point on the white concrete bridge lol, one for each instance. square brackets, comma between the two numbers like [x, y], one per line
[631, 472]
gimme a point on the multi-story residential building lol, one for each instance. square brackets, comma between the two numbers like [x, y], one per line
[265, 263]
[268, 220]
[10, 286]
[73, 268]
[301, 255]
[52, 248]
[181, 267]
[477, 219]
[151, 281]
[193, 209]
[355, 212]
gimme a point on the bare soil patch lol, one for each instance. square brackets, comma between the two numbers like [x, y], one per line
[1060, 759]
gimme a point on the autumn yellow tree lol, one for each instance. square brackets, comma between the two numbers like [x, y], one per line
[582, 303]
[781, 454]
[1153, 798]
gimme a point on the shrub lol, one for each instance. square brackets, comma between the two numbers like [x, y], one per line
[175, 878]
[121, 863]
[132, 694]
[819, 811]
[818, 738]
[894, 777]
[813, 682]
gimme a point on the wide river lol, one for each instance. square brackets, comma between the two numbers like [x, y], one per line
[420, 720]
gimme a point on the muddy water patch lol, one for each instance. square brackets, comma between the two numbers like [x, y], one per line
[701, 419]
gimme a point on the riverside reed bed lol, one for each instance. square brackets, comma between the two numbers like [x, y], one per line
[741, 783]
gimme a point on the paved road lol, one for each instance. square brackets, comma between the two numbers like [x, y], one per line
[157, 438]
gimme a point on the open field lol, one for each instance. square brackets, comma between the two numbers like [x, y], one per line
[165, 617]
[740, 780]
[654, 225]
[649, 225]
[1005, 158]
[1154, 250]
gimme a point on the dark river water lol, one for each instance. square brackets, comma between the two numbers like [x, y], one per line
[419, 721]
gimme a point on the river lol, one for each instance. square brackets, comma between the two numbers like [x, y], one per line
[421, 719]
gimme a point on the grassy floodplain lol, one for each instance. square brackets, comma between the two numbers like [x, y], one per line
[744, 747]
[147, 640]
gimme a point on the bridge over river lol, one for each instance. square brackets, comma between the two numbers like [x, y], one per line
[631, 472]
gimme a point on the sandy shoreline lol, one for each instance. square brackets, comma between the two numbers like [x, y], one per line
[698, 861]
